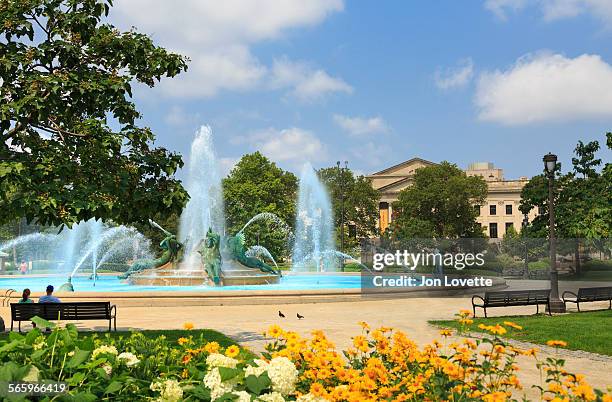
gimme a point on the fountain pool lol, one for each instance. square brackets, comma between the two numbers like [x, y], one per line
[111, 283]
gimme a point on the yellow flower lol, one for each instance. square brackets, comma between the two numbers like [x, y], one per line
[361, 343]
[275, 331]
[212, 347]
[232, 351]
[512, 325]
[446, 332]
[556, 343]
[364, 325]
[188, 326]
[182, 341]
[185, 373]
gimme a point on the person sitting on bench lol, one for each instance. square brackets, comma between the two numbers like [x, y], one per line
[49, 298]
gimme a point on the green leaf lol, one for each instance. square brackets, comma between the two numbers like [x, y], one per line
[257, 384]
[113, 387]
[41, 322]
[79, 357]
[228, 373]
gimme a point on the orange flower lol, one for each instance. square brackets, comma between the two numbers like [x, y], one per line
[188, 326]
[186, 359]
[512, 325]
[556, 344]
[446, 332]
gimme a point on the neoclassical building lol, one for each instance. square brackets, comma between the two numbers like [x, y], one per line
[499, 212]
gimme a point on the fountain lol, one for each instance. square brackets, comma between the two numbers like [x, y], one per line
[209, 256]
[314, 239]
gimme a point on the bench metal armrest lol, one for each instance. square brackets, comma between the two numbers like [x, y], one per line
[568, 292]
[113, 308]
[476, 296]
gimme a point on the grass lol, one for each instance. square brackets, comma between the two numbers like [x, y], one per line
[588, 331]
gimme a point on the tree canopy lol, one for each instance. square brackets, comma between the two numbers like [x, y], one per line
[70, 145]
[582, 197]
[257, 185]
[360, 203]
[439, 204]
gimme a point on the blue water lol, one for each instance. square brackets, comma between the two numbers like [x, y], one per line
[113, 284]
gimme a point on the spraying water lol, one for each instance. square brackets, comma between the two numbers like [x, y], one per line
[314, 225]
[270, 217]
[260, 251]
[205, 207]
[96, 243]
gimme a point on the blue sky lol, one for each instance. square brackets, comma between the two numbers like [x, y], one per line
[376, 83]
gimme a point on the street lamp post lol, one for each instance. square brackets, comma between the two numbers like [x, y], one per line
[341, 183]
[556, 305]
[526, 268]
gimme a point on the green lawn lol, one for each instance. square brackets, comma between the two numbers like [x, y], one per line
[589, 276]
[589, 331]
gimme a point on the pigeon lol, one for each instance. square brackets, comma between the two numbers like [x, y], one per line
[281, 315]
[299, 316]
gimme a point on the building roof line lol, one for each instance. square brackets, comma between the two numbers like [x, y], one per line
[402, 164]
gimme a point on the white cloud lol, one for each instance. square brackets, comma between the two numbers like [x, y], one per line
[501, 7]
[292, 145]
[177, 116]
[555, 9]
[226, 165]
[306, 83]
[455, 77]
[361, 125]
[218, 38]
[546, 87]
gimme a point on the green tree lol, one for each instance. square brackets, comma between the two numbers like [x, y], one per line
[360, 203]
[257, 185]
[70, 147]
[582, 199]
[439, 204]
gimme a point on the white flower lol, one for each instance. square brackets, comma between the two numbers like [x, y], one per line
[71, 353]
[212, 380]
[243, 396]
[32, 375]
[283, 374]
[108, 369]
[271, 397]
[310, 398]
[170, 390]
[260, 367]
[111, 350]
[219, 360]
[130, 359]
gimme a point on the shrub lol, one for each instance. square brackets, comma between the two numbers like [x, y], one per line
[597, 265]
[382, 364]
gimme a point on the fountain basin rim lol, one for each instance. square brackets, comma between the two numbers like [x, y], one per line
[263, 297]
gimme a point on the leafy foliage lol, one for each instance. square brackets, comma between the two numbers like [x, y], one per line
[257, 185]
[582, 198]
[439, 203]
[70, 148]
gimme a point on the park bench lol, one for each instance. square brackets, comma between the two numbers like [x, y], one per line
[589, 295]
[513, 298]
[73, 311]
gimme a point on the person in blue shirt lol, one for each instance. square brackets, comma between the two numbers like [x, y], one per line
[49, 298]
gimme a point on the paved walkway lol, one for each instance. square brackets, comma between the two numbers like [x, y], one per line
[339, 321]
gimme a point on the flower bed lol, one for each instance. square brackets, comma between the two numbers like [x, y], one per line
[382, 365]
